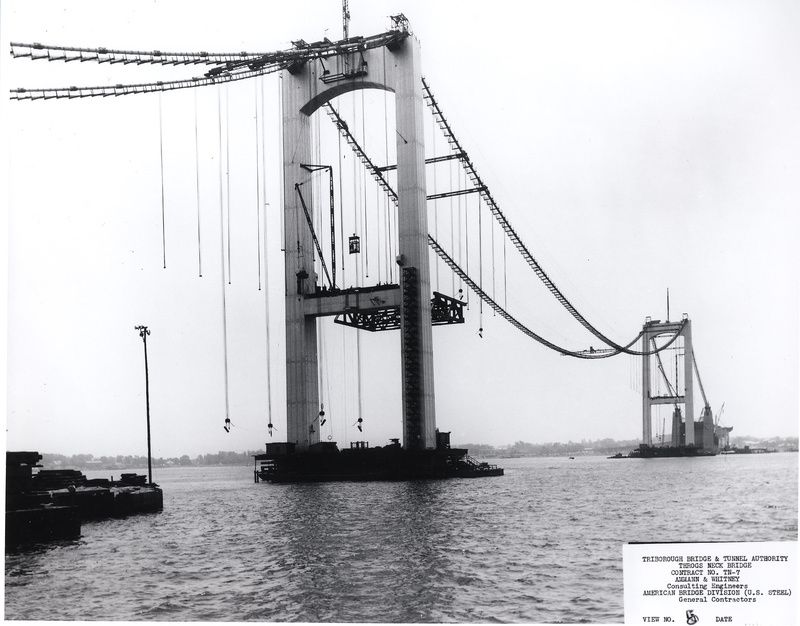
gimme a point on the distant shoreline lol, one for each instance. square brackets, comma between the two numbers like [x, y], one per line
[520, 449]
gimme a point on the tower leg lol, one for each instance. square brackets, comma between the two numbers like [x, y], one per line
[302, 394]
[688, 379]
[419, 418]
[647, 436]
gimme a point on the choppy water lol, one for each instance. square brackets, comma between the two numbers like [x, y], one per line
[541, 544]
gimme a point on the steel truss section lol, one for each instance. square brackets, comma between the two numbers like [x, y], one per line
[444, 310]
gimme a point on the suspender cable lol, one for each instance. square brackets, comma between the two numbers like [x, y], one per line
[341, 208]
[366, 210]
[161, 155]
[345, 403]
[494, 292]
[266, 317]
[263, 168]
[358, 358]
[435, 205]
[356, 199]
[228, 177]
[505, 276]
[460, 255]
[265, 244]
[378, 229]
[462, 185]
[480, 267]
[258, 186]
[197, 188]
[282, 140]
[222, 263]
[358, 376]
[387, 205]
[452, 232]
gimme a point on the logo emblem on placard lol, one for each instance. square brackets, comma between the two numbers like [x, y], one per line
[691, 618]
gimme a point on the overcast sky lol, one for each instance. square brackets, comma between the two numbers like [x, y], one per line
[633, 146]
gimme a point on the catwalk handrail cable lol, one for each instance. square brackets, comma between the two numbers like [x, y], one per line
[580, 354]
[503, 221]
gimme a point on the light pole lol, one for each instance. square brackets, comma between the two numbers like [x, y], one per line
[143, 332]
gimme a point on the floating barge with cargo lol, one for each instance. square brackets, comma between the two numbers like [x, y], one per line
[325, 462]
[46, 505]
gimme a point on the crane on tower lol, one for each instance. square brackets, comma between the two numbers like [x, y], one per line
[706, 405]
[345, 19]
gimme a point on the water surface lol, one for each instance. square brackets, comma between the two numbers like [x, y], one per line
[541, 544]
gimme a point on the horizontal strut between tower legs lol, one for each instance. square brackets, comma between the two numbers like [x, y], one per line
[458, 192]
[334, 303]
[667, 400]
[428, 161]
[656, 327]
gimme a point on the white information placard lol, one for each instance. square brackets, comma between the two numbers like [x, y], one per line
[746, 583]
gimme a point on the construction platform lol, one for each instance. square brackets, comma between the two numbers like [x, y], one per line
[324, 462]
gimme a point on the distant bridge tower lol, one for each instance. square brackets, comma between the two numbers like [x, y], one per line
[651, 330]
[307, 87]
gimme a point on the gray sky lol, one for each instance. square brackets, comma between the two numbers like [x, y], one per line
[633, 146]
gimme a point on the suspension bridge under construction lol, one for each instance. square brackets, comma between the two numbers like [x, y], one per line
[315, 246]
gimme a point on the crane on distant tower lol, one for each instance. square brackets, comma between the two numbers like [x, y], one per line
[345, 19]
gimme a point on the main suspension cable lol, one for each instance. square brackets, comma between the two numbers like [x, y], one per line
[472, 173]
[589, 354]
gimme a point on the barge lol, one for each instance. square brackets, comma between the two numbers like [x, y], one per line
[325, 462]
[645, 451]
[52, 504]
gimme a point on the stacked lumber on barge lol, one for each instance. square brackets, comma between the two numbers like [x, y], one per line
[52, 504]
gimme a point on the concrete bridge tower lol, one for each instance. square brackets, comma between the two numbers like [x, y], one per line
[306, 87]
[651, 330]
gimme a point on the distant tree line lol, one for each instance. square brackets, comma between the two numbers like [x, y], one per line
[604, 447]
[571, 448]
[89, 461]
[584, 447]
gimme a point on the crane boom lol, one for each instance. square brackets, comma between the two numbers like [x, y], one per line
[345, 19]
[700, 380]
